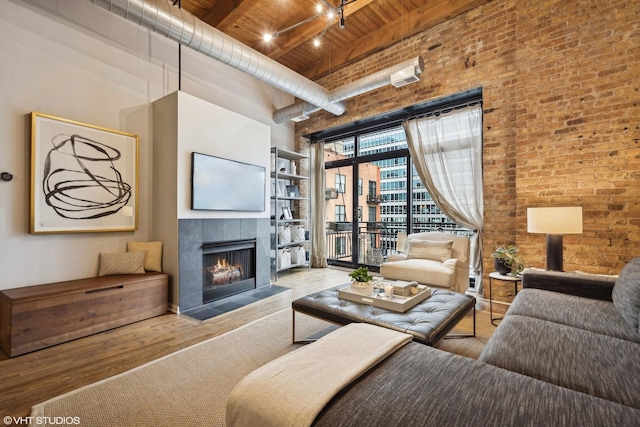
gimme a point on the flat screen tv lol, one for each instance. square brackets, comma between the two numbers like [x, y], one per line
[219, 184]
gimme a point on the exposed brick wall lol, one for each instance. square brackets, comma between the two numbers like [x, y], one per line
[560, 85]
[578, 126]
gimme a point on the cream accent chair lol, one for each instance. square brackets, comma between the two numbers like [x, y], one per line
[432, 266]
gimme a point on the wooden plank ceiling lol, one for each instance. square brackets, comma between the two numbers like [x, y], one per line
[370, 26]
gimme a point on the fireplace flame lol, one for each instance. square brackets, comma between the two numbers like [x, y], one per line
[223, 273]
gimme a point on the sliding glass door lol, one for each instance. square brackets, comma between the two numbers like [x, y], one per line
[361, 225]
[372, 194]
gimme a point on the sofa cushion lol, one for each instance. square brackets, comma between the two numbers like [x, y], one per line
[585, 313]
[580, 360]
[427, 249]
[626, 293]
[425, 271]
[423, 386]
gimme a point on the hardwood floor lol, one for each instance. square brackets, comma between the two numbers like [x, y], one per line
[38, 376]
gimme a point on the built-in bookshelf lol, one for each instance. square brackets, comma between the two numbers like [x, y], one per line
[290, 237]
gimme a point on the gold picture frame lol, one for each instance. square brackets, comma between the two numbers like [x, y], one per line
[84, 178]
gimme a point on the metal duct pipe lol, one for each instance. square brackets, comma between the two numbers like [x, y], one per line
[291, 112]
[365, 84]
[179, 25]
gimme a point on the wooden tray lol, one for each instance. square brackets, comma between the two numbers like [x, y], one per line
[393, 303]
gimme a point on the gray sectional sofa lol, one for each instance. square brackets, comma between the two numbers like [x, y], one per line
[566, 354]
[576, 331]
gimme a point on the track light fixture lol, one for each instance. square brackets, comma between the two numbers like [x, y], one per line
[324, 8]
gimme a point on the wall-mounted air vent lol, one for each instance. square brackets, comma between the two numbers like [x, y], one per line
[300, 118]
[404, 77]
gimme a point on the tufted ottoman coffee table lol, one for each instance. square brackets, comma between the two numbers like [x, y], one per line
[428, 322]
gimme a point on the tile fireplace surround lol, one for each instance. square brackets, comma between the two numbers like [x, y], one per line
[194, 232]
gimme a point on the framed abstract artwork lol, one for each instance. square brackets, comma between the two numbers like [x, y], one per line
[84, 178]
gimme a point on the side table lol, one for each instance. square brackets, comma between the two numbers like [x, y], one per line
[497, 276]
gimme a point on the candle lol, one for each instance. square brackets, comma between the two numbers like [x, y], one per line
[388, 290]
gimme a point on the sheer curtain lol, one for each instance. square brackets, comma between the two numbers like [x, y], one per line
[318, 241]
[447, 153]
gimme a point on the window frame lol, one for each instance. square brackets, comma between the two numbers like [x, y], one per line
[341, 183]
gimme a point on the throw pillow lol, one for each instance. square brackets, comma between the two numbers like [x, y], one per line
[427, 249]
[121, 263]
[152, 254]
[626, 293]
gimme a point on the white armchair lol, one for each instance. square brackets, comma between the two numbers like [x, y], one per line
[435, 259]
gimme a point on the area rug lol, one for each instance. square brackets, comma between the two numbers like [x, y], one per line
[469, 347]
[186, 388]
[189, 387]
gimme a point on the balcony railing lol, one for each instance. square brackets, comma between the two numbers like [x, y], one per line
[380, 235]
[339, 245]
[375, 198]
[339, 226]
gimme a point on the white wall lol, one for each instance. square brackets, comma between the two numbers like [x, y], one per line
[209, 129]
[73, 60]
[183, 124]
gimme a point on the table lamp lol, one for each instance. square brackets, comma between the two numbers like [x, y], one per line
[554, 222]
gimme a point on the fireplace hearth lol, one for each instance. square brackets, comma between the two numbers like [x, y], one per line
[229, 268]
[198, 237]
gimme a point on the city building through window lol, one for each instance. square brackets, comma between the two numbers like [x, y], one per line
[395, 198]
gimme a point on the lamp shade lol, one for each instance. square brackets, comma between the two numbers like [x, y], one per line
[555, 220]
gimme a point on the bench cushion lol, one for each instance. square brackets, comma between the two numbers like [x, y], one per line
[428, 322]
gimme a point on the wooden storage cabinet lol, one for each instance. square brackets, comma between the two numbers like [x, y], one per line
[35, 317]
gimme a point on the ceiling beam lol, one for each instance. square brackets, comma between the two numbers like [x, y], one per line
[417, 21]
[226, 13]
[294, 38]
